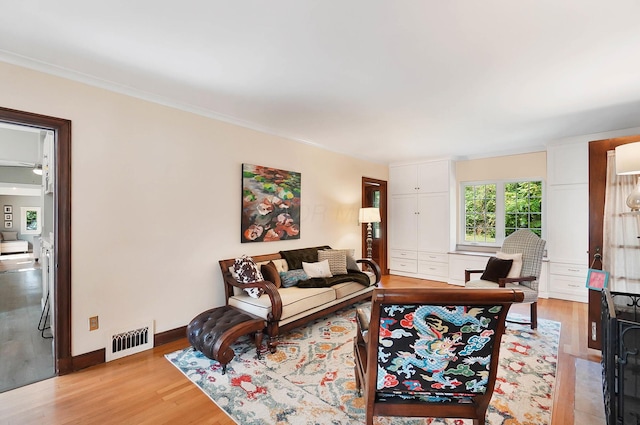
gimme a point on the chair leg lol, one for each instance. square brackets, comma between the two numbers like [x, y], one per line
[534, 315]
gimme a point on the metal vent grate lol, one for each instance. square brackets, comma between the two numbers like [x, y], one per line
[127, 342]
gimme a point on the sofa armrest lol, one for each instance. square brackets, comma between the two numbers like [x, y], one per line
[373, 266]
[269, 289]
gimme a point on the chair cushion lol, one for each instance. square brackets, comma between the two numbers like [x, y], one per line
[294, 300]
[347, 288]
[295, 257]
[270, 273]
[530, 295]
[317, 269]
[496, 269]
[516, 267]
[350, 253]
[9, 236]
[337, 260]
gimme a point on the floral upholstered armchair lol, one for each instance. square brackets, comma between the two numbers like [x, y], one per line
[430, 352]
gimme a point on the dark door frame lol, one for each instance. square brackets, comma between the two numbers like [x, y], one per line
[62, 227]
[597, 186]
[384, 222]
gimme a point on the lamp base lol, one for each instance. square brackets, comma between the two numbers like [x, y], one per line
[633, 200]
[369, 241]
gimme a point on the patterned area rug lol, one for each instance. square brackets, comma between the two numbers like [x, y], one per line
[310, 379]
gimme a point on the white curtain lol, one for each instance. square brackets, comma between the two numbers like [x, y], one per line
[621, 251]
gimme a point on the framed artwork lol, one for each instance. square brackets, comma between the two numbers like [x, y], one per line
[270, 204]
[8, 224]
[8, 209]
[597, 279]
[8, 216]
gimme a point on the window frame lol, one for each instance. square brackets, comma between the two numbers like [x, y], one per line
[500, 210]
[23, 217]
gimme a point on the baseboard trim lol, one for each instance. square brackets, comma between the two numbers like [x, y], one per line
[86, 360]
[97, 357]
[169, 336]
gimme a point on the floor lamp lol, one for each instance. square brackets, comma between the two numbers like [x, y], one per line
[369, 215]
[628, 163]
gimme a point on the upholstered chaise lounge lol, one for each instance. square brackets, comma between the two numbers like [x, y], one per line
[285, 304]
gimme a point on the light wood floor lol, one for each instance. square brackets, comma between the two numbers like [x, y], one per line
[146, 389]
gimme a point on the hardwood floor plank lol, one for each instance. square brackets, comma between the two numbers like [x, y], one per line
[146, 389]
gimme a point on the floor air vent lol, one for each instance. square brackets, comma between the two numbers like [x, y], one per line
[133, 340]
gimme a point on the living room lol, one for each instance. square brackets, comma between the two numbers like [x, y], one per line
[156, 186]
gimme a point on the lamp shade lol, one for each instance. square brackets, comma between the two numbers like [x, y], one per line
[628, 159]
[369, 215]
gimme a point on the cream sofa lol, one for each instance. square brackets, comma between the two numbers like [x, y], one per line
[284, 308]
[10, 244]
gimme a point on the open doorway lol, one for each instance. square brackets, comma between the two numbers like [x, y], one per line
[26, 345]
[60, 250]
[374, 194]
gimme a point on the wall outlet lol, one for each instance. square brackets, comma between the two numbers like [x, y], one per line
[93, 323]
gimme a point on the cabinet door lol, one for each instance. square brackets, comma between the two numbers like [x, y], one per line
[568, 223]
[433, 177]
[404, 222]
[433, 222]
[403, 179]
[568, 164]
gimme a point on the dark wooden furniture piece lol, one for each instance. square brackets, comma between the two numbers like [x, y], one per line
[620, 359]
[275, 324]
[597, 187]
[213, 331]
[415, 336]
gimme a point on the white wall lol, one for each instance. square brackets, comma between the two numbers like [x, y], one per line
[156, 201]
[17, 202]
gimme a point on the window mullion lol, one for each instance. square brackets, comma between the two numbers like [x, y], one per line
[500, 211]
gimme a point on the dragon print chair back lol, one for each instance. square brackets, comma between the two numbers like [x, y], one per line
[430, 352]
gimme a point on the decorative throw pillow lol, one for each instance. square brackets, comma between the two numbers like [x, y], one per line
[319, 269]
[292, 277]
[245, 270]
[270, 273]
[337, 259]
[10, 236]
[516, 267]
[496, 269]
[351, 261]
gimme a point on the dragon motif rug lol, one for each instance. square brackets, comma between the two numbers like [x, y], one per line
[310, 379]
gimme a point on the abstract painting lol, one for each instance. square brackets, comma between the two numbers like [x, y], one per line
[270, 204]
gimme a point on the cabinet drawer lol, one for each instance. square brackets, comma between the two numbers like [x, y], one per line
[404, 254]
[567, 285]
[404, 265]
[433, 257]
[433, 269]
[565, 269]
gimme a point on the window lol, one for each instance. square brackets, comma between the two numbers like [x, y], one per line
[494, 210]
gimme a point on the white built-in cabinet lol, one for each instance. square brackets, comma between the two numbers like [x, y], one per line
[420, 219]
[568, 220]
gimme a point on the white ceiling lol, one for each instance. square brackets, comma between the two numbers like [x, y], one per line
[383, 80]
